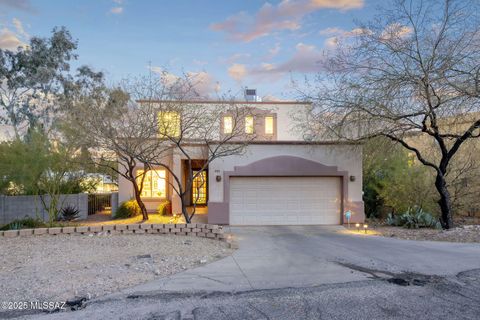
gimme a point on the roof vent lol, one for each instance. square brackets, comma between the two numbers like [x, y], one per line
[251, 95]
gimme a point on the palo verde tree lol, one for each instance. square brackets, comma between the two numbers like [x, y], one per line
[411, 75]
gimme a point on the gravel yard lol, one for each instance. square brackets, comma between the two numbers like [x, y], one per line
[59, 268]
[469, 233]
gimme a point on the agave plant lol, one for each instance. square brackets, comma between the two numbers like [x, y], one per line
[70, 213]
[15, 226]
[414, 218]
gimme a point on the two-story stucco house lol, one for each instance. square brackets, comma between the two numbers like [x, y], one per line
[279, 180]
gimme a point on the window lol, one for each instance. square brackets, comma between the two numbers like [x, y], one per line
[227, 125]
[169, 123]
[199, 187]
[269, 125]
[154, 184]
[249, 124]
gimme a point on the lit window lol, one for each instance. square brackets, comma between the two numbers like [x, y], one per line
[154, 184]
[249, 124]
[169, 123]
[268, 125]
[227, 125]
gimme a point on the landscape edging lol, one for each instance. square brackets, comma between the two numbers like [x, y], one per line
[211, 231]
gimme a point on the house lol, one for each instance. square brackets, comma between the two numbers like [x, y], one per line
[280, 179]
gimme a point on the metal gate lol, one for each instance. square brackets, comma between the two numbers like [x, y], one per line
[99, 202]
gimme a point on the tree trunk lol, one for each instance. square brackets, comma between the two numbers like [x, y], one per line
[184, 208]
[143, 209]
[444, 202]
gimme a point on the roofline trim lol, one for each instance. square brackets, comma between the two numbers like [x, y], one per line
[228, 102]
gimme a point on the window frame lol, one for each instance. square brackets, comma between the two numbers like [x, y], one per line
[150, 197]
[224, 125]
[265, 125]
[176, 117]
[248, 125]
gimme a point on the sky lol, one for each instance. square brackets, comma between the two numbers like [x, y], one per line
[226, 45]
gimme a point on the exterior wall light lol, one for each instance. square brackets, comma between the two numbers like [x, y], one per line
[218, 178]
[352, 178]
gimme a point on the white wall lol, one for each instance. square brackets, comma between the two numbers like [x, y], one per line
[345, 157]
[287, 129]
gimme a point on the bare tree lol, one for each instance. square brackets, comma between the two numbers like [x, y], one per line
[193, 130]
[114, 129]
[411, 75]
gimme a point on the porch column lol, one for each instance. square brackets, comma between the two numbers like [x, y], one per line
[177, 169]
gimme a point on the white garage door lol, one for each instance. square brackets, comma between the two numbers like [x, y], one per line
[284, 200]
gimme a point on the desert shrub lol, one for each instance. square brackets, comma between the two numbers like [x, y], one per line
[165, 208]
[25, 223]
[69, 213]
[414, 218]
[128, 209]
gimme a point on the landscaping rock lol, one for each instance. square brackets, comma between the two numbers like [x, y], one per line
[98, 265]
[470, 233]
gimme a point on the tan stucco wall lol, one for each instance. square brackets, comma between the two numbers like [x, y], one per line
[345, 157]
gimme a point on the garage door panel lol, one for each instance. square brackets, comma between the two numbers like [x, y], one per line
[284, 200]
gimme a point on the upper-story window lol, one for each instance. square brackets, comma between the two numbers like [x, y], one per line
[227, 125]
[249, 124]
[169, 123]
[268, 125]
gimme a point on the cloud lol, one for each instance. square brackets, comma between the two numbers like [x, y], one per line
[116, 10]
[272, 98]
[287, 15]
[9, 40]
[235, 57]
[23, 5]
[274, 51]
[19, 27]
[338, 34]
[306, 59]
[200, 62]
[237, 71]
[203, 83]
[395, 31]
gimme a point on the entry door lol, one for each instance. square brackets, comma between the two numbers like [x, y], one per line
[199, 188]
[285, 200]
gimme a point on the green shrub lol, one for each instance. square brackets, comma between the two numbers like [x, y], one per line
[164, 208]
[26, 223]
[128, 209]
[414, 218]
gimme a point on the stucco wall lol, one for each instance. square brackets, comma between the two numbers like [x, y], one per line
[19, 207]
[287, 129]
[345, 157]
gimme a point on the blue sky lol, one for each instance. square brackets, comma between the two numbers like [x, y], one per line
[227, 45]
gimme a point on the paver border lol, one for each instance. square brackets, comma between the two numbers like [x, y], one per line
[202, 230]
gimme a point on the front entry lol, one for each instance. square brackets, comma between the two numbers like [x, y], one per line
[199, 188]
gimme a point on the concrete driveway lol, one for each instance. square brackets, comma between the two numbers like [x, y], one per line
[309, 273]
[302, 256]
